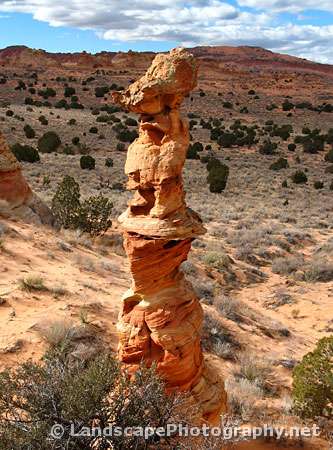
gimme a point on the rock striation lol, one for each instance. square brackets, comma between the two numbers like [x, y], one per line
[16, 197]
[161, 317]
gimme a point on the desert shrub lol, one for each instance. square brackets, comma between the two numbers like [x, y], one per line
[287, 105]
[291, 147]
[314, 145]
[46, 93]
[91, 216]
[217, 178]
[61, 104]
[36, 396]
[66, 203]
[103, 118]
[329, 156]
[9, 113]
[318, 184]
[299, 177]
[109, 162]
[227, 140]
[217, 260]
[319, 269]
[192, 153]
[68, 150]
[75, 140]
[72, 122]
[329, 169]
[93, 130]
[131, 122]
[43, 120]
[281, 163]
[212, 162]
[94, 216]
[287, 265]
[127, 135]
[25, 153]
[101, 91]
[331, 186]
[268, 148]
[313, 382]
[29, 132]
[198, 146]
[284, 183]
[69, 91]
[87, 162]
[49, 142]
[120, 147]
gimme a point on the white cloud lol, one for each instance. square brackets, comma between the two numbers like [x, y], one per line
[188, 22]
[288, 5]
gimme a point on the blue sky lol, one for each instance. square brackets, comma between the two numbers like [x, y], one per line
[299, 27]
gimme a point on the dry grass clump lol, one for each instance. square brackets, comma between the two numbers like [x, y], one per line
[217, 260]
[255, 370]
[319, 270]
[287, 265]
[55, 332]
[230, 308]
[242, 397]
[217, 339]
[32, 283]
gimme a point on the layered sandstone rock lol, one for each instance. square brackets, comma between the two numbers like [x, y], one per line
[161, 317]
[16, 197]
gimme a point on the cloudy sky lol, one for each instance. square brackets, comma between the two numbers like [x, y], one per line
[298, 27]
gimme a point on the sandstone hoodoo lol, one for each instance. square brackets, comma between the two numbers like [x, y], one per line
[16, 197]
[161, 317]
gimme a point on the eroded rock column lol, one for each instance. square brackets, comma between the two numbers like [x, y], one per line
[161, 317]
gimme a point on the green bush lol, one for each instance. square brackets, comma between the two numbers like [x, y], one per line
[91, 216]
[43, 120]
[25, 153]
[101, 91]
[299, 177]
[281, 163]
[29, 132]
[131, 122]
[109, 162]
[87, 162]
[49, 142]
[329, 156]
[94, 217]
[66, 203]
[313, 382]
[69, 91]
[287, 105]
[212, 162]
[127, 135]
[120, 147]
[192, 153]
[268, 148]
[284, 183]
[318, 185]
[217, 178]
[83, 394]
